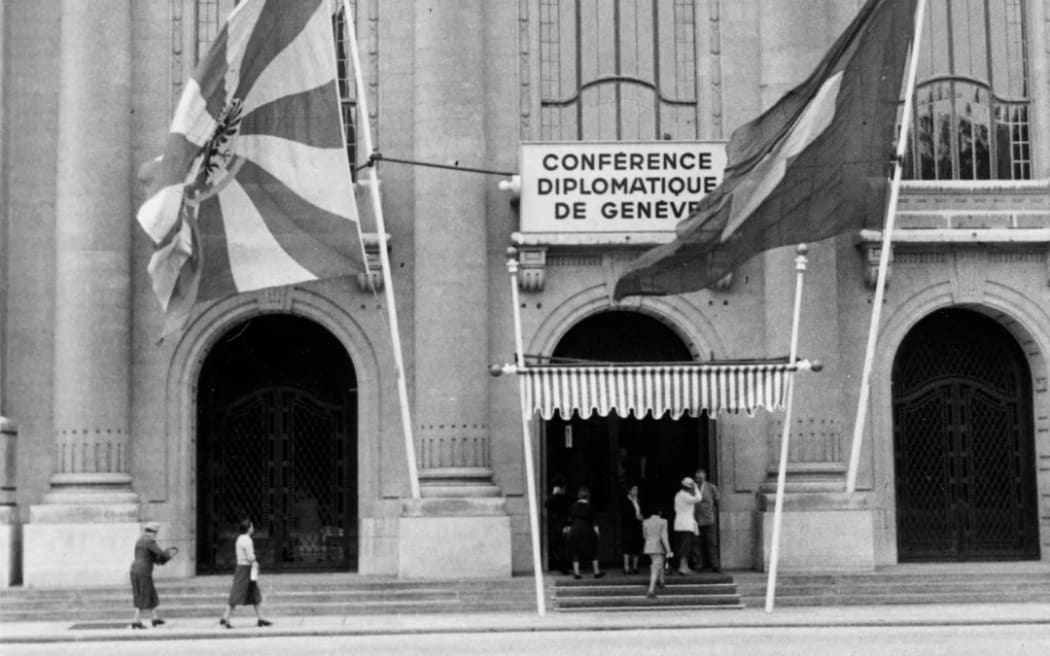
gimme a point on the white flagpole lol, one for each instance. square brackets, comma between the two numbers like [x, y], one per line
[778, 508]
[530, 476]
[884, 254]
[384, 258]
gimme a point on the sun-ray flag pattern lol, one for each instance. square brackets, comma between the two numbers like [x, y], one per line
[655, 389]
[254, 188]
[815, 165]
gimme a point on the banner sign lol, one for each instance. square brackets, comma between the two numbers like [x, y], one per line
[615, 187]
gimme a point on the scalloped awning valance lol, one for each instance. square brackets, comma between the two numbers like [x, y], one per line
[655, 389]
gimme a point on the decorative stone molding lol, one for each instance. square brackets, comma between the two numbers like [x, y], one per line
[372, 279]
[871, 251]
[524, 70]
[533, 267]
[714, 21]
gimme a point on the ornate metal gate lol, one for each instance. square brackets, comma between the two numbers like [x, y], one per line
[963, 443]
[283, 458]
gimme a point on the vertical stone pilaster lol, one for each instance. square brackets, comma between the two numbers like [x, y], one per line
[90, 507]
[451, 279]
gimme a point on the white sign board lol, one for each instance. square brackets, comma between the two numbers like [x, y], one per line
[615, 187]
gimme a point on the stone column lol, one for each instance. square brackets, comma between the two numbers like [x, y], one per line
[451, 306]
[816, 513]
[80, 533]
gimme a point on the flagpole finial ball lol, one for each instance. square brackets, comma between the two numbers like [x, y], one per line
[512, 252]
[802, 249]
[495, 370]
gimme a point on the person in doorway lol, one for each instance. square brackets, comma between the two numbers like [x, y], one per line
[583, 534]
[630, 529]
[557, 505]
[147, 554]
[245, 589]
[656, 546]
[705, 546]
[685, 522]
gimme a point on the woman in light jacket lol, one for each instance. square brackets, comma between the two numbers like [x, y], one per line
[685, 522]
[245, 589]
[657, 547]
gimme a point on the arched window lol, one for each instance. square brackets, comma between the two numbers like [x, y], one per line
[210, 15]
[618, 70]
[972, 94]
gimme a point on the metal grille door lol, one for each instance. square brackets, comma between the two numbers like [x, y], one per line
[283, 458]
[965, 475]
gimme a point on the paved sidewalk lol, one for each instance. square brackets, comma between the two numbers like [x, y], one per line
[466, 623]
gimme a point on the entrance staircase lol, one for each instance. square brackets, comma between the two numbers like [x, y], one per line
[963, 583]
[283, 596]
[627, 592]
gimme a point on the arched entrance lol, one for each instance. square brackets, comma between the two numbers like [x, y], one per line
[277, 443]
[608, 453]
[963, 442]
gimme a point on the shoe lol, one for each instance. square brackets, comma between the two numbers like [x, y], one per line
[626, 571]
[716, 570]
[576, 576]
[138, 625]
[650, 595]
[598, 575]
[263, 622]
[158, 622]
[685, 572]
[224, 622]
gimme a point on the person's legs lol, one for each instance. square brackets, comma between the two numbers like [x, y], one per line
[626, 563]
[709, 537]
[685, 546]
[656, 571]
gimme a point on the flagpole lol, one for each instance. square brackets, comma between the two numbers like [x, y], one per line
[384, 258]
[785, 433]
[530, 476]
[884, 254]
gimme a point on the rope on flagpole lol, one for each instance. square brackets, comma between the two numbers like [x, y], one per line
[778, 508]
[884, 254]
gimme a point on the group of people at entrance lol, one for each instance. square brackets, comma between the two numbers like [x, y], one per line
[573, 531]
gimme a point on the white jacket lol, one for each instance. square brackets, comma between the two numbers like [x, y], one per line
[683, 511]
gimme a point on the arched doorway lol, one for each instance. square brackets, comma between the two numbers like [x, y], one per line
[963, 442]
[608, 453]
[277, 443]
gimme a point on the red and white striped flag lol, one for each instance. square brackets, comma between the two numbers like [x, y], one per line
[254, 189]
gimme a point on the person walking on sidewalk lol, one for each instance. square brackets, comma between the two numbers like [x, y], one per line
[705, 547]
[245, 589]
[685, 522]
[657, 547]
[143, 592]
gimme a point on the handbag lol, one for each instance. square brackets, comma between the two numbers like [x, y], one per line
[254, 574]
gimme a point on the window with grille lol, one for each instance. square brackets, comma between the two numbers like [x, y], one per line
[971, 115]
[210, 15]
[618, 70]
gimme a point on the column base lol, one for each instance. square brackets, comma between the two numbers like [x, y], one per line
[454, 538]
[10, 546]
[819, 532]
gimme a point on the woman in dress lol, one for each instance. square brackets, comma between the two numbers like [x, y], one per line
[630, 530]
[583, 534]
[245, 588]
[143, 593]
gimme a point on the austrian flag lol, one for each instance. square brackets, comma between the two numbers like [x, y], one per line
[254, 189]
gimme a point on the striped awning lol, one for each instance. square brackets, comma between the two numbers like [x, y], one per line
[655, 389]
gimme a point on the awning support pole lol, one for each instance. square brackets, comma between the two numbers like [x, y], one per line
[778, 510]
[530, 475]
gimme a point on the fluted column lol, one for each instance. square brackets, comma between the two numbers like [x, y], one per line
[450, 238]
[789, 54]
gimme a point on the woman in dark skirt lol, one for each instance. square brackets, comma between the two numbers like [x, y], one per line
[583, 534]
[245, 589]
[630, 529]
[143, 593]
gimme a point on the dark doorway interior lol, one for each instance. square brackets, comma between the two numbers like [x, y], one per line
[963, 442]
[277, 443]
[608, 453]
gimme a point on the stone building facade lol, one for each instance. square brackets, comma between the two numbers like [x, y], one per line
[282, 404]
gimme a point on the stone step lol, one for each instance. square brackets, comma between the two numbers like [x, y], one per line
[628, 592]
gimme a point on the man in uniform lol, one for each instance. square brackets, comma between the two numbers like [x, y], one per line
[705, 546]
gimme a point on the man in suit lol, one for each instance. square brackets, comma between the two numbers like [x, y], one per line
[705, 546]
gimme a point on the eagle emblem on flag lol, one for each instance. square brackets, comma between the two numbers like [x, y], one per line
[254, 189]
